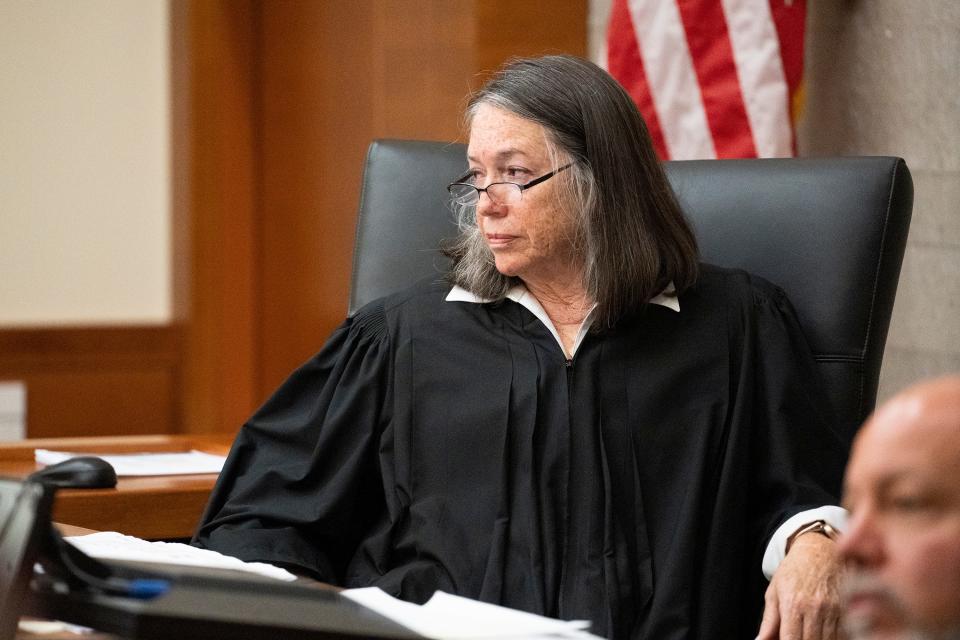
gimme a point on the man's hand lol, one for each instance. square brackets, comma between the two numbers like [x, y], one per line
[803, 599]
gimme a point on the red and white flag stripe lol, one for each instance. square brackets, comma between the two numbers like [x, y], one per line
[713, 78]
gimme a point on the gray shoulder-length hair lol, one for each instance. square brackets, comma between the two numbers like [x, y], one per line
[630, 232]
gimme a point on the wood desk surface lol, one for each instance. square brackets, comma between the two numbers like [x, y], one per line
[149, 507]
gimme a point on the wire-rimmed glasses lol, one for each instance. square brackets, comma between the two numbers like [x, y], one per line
[464, 193]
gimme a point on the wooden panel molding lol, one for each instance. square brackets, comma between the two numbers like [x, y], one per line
[96, 380]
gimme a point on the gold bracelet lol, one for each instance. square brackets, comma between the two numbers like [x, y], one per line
[819, 526]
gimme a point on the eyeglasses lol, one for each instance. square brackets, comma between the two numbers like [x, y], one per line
[499, 192]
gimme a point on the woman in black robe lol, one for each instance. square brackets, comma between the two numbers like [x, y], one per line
[583, 422]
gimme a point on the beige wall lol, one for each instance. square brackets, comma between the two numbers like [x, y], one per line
[883, 78]
[84, 162]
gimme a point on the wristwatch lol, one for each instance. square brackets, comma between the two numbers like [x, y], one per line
[822, 527]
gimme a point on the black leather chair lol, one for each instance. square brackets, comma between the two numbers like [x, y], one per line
[830, 231]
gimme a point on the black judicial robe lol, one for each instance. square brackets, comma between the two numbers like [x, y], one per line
[450, 445]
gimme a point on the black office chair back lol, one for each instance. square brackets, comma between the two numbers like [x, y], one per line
[829, 231]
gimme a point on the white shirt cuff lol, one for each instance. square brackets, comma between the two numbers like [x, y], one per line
[836, 517]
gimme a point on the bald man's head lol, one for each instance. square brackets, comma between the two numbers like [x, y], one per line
[902, 545]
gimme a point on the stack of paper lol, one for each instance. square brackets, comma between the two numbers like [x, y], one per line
[144, 464]
[456, 618]
[111, 545]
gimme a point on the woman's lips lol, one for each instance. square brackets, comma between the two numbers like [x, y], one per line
[495, 240]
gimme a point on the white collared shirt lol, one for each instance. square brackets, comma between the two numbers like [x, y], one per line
[776, 548]
[522, 296]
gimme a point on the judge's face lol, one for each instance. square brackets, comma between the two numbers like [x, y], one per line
[532, 238]
[902, 546]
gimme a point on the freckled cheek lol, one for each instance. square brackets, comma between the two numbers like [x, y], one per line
[541, 239]
[543, 231]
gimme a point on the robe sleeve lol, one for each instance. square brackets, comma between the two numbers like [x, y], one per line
[797, 451]
[301, 484]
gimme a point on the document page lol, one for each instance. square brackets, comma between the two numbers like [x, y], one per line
[457, 618]
[110, 545]
[144, 464]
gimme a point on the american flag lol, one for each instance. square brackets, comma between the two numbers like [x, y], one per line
[712, 78]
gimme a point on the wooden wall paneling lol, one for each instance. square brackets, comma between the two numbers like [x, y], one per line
[284, 98]
[422, 68]
[336, 76]
[95, 380]
[315, 101]
[519, 29]
[216, 187]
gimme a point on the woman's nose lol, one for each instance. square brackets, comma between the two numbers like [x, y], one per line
[487, 207]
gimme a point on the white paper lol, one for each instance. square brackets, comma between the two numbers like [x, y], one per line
[49, 627]
[457, 618]
[110, 545]
[144, 464]
[13, 410]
